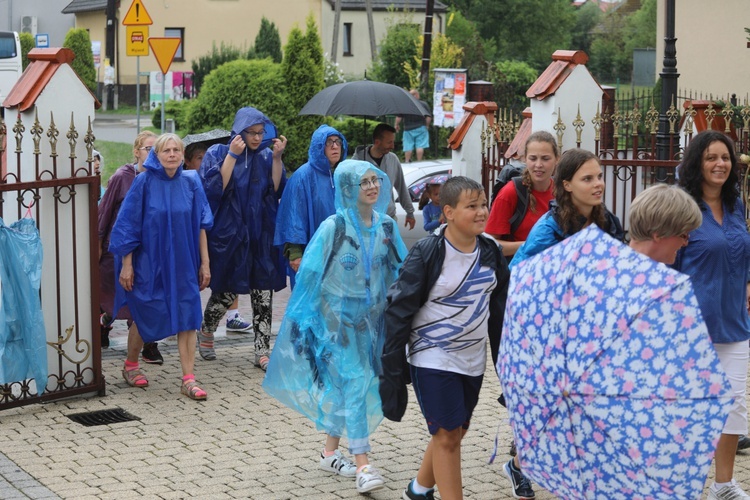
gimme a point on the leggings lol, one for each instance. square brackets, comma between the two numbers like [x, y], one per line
[261, 301]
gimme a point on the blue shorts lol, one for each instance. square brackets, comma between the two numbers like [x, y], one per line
[416, 138]
[447, 399]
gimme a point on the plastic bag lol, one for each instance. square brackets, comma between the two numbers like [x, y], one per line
[23, 338]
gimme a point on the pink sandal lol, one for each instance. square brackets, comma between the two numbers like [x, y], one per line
[191, 389]
[135, 378]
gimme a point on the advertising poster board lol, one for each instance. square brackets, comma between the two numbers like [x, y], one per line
[449, 97]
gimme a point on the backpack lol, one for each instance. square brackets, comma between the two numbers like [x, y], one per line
[512, 173]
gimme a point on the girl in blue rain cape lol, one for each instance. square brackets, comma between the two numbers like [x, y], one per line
[326, 360]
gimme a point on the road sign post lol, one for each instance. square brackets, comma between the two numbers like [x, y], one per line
[137, 22]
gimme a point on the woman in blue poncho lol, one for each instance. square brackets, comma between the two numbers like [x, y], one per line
[327, 355]
[161, 258]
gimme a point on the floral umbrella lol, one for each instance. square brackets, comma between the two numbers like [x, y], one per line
[614, 389]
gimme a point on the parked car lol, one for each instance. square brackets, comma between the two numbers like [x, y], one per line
[415, 174]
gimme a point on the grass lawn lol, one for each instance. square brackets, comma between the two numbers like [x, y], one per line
[115, 155]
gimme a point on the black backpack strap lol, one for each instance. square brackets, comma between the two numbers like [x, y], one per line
[522, 205]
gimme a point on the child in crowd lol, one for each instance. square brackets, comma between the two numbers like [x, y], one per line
[450, 295]
[429, 204]
[327, 355]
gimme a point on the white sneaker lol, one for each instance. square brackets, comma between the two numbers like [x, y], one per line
[733, 491]
[369, 479]
[338, 464]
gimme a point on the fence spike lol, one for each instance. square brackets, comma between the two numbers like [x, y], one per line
[52, 134]
[72, 136]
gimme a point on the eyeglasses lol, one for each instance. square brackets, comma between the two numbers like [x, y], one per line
[334, 142]
[371, 183]
[252, 133]
[146, 148]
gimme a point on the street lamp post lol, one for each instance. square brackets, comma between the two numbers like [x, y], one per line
[665, 145]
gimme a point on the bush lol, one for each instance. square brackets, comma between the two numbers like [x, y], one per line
[267, 42]
[237, 84]
[79, 42]
[176, 110]
[511, 80]
[354, 131]
[207, 63]
[27, 43]
[399, 47]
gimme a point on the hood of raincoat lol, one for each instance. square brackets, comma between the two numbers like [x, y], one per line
[247, 117]
[317, 151]
[347, 178]
[153, 164]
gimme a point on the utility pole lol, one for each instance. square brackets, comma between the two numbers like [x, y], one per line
[669, 77]
[111, 26]
[336, 25]
[424, 76]
[371, 28]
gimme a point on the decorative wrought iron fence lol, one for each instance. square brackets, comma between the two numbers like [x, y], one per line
[61, 196]
[625, 140]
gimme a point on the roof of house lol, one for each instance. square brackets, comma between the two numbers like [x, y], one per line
[84, 6]
[562, 65]
[382, 5]
[43, 64]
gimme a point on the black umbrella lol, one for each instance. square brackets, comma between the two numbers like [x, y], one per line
[363, 98]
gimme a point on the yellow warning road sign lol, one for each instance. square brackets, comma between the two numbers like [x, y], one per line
[164, 49]
[137, 15]
[136, 41]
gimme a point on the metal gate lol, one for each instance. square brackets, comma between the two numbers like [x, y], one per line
[61, 196]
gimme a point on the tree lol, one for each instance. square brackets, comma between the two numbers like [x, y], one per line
[464, 33]
[399, 46]
[302, 69]
[78, 40]
[209, 62]
[609, 59]
[267, 42]
[640, 27]
[445, 54]
[587, 17]
[524, 30]
[511, 80]
[27, 43]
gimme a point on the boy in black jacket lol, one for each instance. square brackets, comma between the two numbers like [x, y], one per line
[450, 295]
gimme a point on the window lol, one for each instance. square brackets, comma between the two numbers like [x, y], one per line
[177, 33]
[348, 39]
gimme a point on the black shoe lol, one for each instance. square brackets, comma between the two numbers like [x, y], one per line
[151, 354]
[105, 326]
[512, 451]
[743, 443]
[410, 495]
[521, 484]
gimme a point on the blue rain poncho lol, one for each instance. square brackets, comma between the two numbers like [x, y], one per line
[326, 359]
[240, 245]
[159, 223]
[23, 339]
[309, 195]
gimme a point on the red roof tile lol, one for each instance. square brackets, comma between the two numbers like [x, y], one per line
[43, 63]
[517, 147]
[563, 62]
[472, 110]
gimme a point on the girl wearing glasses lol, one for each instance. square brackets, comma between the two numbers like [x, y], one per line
[326, 359]
[244, 180]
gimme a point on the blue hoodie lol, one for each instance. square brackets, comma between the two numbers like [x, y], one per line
[240, 244]
[309, 197]
[159, 223]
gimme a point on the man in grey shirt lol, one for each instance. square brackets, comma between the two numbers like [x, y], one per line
[380, 154]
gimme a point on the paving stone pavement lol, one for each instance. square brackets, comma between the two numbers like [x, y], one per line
[239, 444]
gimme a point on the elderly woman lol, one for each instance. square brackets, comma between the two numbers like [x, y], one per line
[718, 263]
[160, 247]
[661, 217]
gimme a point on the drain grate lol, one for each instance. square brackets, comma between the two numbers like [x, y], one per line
[103, 417]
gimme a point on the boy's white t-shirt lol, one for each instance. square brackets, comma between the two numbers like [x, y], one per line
[449, 332]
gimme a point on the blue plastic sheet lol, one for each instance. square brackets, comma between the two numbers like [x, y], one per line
[23, 338]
